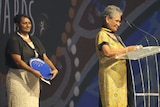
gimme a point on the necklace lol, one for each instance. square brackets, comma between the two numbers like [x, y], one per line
[23, 37]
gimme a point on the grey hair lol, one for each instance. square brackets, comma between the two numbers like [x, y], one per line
[111, 10]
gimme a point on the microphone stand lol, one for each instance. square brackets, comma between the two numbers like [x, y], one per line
[131, 25]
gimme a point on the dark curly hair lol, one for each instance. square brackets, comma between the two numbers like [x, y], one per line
[18, 17]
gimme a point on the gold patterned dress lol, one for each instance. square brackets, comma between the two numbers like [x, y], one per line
[112, 73]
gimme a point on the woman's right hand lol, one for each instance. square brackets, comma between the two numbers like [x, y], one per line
[135, 47]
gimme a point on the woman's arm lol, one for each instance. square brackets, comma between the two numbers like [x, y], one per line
[17, 59]
[113, 52]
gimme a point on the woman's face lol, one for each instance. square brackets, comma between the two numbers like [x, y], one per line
[25, 25]
[114, 22]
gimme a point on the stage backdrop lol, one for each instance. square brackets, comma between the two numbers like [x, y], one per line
[67, 28]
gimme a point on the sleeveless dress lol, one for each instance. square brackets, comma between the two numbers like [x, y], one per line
[112, 74]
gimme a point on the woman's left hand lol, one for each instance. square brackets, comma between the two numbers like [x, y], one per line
[54, 73]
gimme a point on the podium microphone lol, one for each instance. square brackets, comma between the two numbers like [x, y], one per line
[131, 25]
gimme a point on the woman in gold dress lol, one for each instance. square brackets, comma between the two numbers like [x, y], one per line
[112, 72]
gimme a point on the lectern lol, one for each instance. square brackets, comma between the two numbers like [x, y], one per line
[146, 94]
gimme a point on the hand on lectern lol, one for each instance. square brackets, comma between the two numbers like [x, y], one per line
[132, 48]
[139, 46]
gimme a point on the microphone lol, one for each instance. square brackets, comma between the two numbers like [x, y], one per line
[131, 25]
